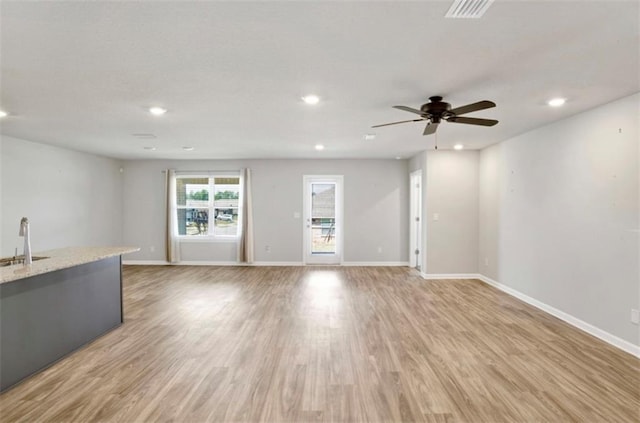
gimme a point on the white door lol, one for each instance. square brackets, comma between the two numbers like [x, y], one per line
[415, 223]
[322, 219]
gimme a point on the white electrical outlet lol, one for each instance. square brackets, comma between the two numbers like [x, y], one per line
[436, 216]
[267, 248]
[635, 316]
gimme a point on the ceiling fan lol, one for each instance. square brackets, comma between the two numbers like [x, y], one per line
[437, 110]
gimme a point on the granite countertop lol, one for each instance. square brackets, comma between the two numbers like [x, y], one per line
[61, 258]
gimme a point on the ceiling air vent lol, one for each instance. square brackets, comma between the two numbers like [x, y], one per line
[468, 9]
[144, 136]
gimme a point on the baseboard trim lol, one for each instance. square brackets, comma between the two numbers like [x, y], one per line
[209, 263]
[145, 263]
[182, 263]
[432, 276]
[573, 321]
[260, 263]
[376, 263]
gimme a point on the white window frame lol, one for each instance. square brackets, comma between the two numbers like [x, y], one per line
[211, 236]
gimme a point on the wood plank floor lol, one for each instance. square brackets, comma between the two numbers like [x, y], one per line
[298, 344]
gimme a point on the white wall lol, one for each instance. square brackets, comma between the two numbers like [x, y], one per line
[489, 210]
[70, 198]
[375, 204]
[559, 215]
[451, 189]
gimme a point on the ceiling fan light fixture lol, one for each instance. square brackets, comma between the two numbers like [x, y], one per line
[557, 102]
[458, 147]
[311, 99]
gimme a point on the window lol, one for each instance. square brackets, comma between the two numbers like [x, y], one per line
[208, 206]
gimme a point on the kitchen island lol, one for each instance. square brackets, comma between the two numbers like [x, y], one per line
[55, 305]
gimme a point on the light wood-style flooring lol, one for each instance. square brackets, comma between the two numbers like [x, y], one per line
[320, 344]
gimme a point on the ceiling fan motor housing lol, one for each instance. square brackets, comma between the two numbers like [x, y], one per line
[436, 109]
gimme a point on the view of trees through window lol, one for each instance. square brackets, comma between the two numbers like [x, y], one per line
[203, 195]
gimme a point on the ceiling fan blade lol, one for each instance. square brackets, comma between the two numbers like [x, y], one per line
[395, 123]
[409, 109]
[430, 129]
[473, 121]
[473, 107]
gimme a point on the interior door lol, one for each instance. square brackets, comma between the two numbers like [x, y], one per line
[323, 219]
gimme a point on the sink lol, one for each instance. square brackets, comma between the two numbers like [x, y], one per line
[11, 261]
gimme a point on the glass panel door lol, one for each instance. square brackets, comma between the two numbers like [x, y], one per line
[323, 218]
[323, 209]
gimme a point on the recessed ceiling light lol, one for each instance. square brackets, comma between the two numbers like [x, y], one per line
[188, 148]
[150, 148]
[398, 158]
[458, 147]
[370, 137]
[311, 99]
[556, 102]
[157, 111]
[319, 147]
[3, 114]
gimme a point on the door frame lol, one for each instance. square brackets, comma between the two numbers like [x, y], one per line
[307, 257]
[415, 227]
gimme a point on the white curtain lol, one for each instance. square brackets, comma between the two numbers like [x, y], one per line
[172, 243]
[245, 244]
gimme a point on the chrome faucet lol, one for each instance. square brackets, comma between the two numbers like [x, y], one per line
[24, 231]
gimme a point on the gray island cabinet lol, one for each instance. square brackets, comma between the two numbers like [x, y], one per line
[56, 305]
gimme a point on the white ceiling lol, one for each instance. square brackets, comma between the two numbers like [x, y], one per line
[81, 74]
